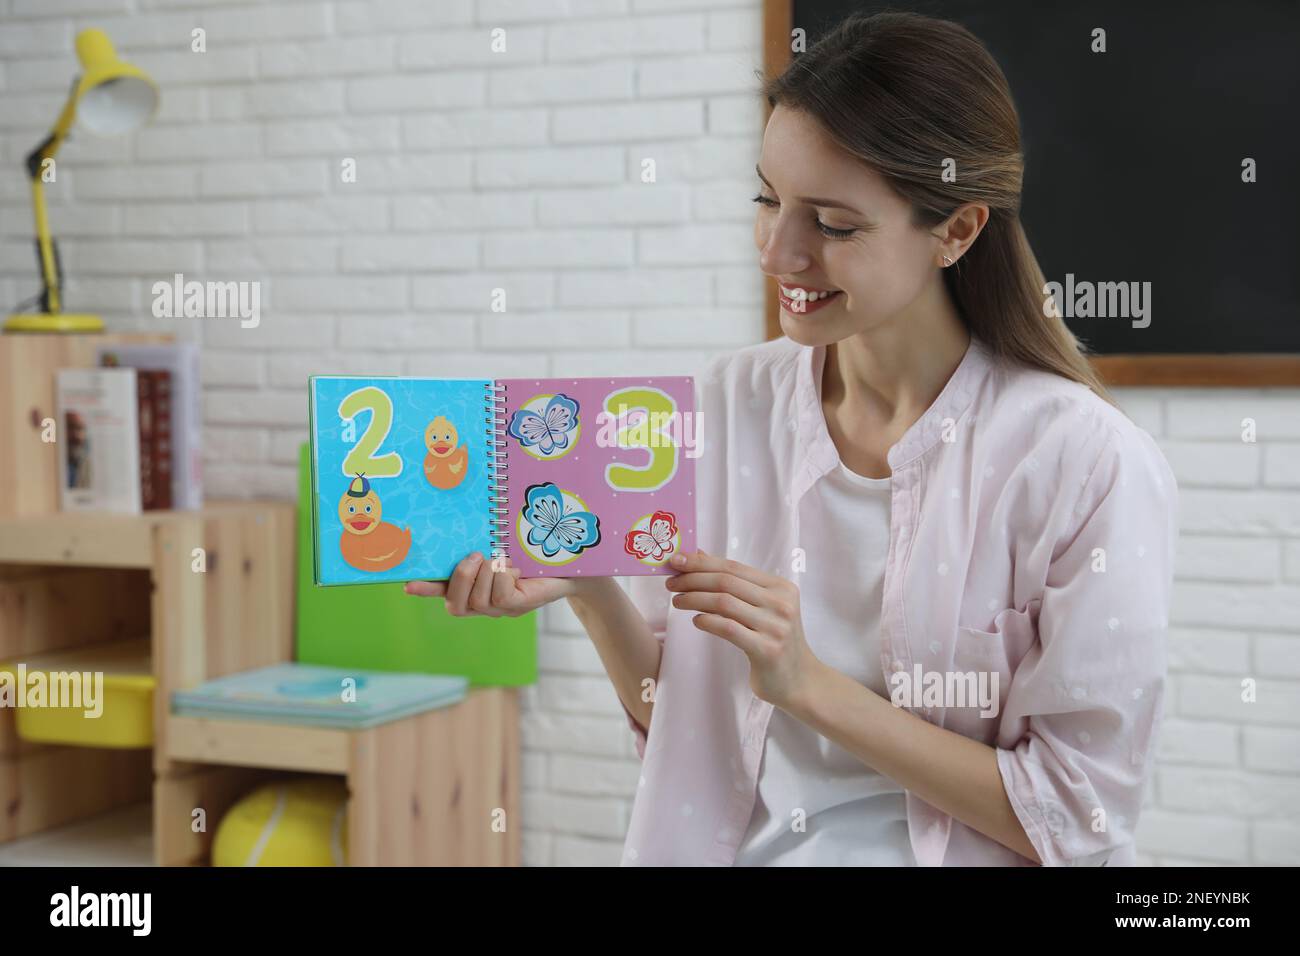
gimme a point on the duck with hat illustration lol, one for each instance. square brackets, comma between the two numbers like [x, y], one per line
[445, 465]
[369, 544]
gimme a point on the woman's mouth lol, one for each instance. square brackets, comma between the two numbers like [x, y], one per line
[803, 300]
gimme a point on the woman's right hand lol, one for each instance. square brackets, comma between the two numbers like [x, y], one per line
[474, 588]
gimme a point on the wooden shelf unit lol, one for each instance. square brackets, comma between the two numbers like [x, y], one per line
[423, 790]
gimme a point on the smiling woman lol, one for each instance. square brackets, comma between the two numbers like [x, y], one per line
[923, 481]
[948, 472]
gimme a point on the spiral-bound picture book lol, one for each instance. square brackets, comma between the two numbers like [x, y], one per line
[564, 476]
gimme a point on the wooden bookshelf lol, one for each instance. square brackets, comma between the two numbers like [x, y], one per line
[421, 789]
[29, 466]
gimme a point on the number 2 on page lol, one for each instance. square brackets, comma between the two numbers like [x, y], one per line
[360, 460]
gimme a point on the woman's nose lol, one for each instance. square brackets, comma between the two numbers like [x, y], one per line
[779, 249]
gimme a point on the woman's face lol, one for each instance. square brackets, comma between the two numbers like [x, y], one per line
[864, 249]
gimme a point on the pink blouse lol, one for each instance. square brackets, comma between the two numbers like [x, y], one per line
[1032, 539]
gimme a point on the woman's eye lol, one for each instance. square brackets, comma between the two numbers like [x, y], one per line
[367, 509]
[832, 233]
[828, 231]
[352, 510]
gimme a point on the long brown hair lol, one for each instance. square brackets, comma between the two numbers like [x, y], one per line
[904, 92]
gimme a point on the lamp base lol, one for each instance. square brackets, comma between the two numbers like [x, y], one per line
[55, 322]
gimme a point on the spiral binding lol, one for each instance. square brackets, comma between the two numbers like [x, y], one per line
[498, 497]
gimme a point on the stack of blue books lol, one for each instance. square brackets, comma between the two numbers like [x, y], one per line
[319, 696]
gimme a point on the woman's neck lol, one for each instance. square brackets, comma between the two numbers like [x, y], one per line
[894, 373]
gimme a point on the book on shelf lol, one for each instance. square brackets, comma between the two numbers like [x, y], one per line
[163, 446]
[177, 416]
[145, 406]
[294, 693]
[98, 438]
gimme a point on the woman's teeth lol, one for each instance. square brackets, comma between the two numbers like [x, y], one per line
[808, 295]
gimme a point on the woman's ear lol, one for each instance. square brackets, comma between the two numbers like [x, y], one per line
[959, 230]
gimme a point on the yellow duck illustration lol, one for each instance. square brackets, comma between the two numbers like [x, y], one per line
[369, 544]
[445, 465]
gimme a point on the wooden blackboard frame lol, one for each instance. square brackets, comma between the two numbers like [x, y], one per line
[1232, 370]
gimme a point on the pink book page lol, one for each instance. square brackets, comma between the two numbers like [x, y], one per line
[600, 473]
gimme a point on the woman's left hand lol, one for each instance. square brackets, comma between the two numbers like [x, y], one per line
[756, 611]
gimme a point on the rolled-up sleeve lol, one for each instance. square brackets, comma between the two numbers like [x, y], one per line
[1087, 700]
[652, 599]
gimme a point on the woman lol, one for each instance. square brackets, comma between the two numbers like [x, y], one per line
[937, 633]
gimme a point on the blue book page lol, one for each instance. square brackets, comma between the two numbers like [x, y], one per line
[400, 477]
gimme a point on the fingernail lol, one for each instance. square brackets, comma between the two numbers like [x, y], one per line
[678, 559]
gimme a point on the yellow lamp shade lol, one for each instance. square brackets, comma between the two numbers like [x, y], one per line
[112, 95]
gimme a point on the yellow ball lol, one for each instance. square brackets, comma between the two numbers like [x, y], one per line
[286, 823]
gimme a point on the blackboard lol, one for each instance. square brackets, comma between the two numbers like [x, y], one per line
[1134, 158]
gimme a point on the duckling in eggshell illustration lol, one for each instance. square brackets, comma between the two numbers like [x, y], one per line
[368, 543]
[447, 462]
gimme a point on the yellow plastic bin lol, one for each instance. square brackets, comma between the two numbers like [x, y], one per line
[115, 711]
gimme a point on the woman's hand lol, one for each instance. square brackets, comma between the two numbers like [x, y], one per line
[756, 611]
[474, 588]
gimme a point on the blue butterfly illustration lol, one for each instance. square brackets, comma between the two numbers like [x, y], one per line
[552, 530]
[549, 431]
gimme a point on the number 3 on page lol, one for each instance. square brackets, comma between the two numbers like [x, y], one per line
[360, 460]
[648, 434]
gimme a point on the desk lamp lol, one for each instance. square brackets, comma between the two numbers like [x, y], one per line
[109, 98]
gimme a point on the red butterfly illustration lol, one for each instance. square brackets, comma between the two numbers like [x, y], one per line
[657, 543]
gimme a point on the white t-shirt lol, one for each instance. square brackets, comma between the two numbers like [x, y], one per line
[853, 815]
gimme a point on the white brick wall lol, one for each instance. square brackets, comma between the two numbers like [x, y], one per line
[522, 170]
